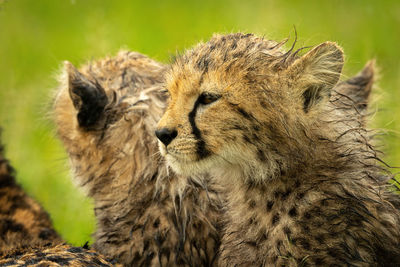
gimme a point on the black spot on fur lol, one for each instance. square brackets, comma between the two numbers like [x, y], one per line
[333, 253]
[260, 155]
[137, 257]
[251, 243]
[146, 244]
[263, 237]
[156, 223]
[7, 176]
[159, 238]
[6, 180]
[246, 139]
[149, 258]
[319, 261]
[60, 260]
[76, 250]
[250, 186]
[269, 205]
[165, 252]
[46, 234]
[263, 104]
[277, 194]
[293, 212]
[253, 220]
[256, 128]
[286, 194]
[304, 243]
[203, 64]
[8, 225]
[305, 227]
[29, 262]
[320, 239]
[307, 215]
[255, 137]
[287, 231]
[244, 114]
[237, 127]
[252, 204]
[237, 54]
[212, 47]
[275, 219]
[97, 261]
[18, 202]
[300, 195]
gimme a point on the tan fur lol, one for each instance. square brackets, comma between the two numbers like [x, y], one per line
[23, 222]
[125, 63]
[303, 186]
[27, 236]
[59, 255]
[22, 250]
[146, 216]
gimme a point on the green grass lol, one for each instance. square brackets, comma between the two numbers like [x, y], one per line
[37, 35]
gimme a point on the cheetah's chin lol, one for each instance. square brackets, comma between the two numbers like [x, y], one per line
[190, 167]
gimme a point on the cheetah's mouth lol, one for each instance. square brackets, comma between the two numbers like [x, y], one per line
[181, 157]
[189, 165]
[185, 156]
[182, 150]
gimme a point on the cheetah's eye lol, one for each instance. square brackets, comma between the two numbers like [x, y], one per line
[164, 92]
[207, 98]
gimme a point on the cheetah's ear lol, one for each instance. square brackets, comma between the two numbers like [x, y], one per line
[316, 73]
[88, 98]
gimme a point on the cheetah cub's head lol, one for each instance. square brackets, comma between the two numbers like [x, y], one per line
[104, 113]
[239, 102]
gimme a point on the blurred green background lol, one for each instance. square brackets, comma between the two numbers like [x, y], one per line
[37, 35]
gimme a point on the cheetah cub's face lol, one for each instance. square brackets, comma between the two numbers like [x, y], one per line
[239, 102]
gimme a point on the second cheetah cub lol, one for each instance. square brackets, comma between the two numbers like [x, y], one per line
[300, 189]
[106, 114]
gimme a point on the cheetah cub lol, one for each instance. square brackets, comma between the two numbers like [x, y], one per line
[172, 211]
[27, 236]
[301, 187]
[106, 114]
[23, 221]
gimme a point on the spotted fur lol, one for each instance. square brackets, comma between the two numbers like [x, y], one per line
[23, 222]
[303, 186]
[106, 114]
[28, 250]
[59, 255]
[27, 236]
[124, 67]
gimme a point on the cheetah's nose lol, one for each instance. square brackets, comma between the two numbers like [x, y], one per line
[166, 135]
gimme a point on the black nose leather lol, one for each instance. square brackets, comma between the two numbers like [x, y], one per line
[166, 135]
